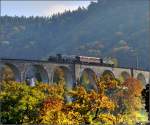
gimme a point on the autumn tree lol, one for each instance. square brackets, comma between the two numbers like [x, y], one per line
[87, 106]
[111, 103]
[130, 104]
[21, 103]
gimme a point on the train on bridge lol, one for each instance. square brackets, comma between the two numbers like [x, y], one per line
[78, 59]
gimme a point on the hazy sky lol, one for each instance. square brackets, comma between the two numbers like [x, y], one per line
[40, 8]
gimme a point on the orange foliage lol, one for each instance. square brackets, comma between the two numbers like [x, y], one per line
[53, 104]
[134, 86]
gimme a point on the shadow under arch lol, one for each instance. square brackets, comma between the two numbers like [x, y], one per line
[63, 73]
[88, 79]
[141, 78]
[38, 72]
[108, 73]
[125, 75]
[11, 71]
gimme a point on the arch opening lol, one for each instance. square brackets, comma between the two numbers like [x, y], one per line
[88, 79]
[10, 72]
[108, 73]
[37, 72]
[62, 73]
[125, 75]
[141, 78]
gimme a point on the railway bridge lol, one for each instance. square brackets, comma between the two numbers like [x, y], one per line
[46, 71]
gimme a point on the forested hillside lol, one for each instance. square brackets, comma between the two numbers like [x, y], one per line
[117, 28]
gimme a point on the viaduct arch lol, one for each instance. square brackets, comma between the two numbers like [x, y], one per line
[62, 73]
[141, 78]
[36, 71]
[108, 73]
[12, 69]
[125, 75]
[46, 71]
[88, 79]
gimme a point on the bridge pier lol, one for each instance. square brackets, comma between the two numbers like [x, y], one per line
[49, 71]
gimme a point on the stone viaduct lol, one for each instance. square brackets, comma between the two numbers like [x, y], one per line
[72, 71]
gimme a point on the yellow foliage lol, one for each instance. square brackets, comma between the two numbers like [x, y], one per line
[107, 118]
[103, 106]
